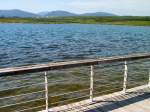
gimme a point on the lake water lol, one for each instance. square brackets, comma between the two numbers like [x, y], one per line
[23, 44]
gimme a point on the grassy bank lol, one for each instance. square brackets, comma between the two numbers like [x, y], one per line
[116, 20]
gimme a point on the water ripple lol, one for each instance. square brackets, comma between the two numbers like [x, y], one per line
[23, 44]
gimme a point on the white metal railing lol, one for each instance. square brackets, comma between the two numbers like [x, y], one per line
[125, 77]
[149, 77]
[46, 91]
[91, 82]
[57, 66]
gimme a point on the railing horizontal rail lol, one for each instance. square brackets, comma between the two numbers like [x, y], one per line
[70, 99]
[31, 108]
[26, 94]
[106, 85]
[110, 65]
[17, 80]
[20, 103]
[110, 90]
[70, 64]
[70, 92]
[57, 81]
[20, 87]
[62, 81]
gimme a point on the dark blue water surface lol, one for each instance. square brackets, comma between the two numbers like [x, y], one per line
[23, 44]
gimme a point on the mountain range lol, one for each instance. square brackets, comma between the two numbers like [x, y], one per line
[16, 13]
[58, 13]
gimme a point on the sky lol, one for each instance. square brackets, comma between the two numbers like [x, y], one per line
[120, 7]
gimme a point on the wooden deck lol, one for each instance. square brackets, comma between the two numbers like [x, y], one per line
[134, 100]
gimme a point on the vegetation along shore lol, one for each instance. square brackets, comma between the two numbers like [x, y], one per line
[111, 20]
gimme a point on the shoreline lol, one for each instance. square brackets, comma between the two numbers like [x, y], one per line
[121, 20]
[76, 24]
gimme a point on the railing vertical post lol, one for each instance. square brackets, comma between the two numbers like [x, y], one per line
[149, 77]
[46, 92]
[91, 82]
[125, 77]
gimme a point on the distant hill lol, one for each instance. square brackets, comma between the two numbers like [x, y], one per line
[16, 13]
[44, 13]
[65, 13]
[98, 14]
[59, 13]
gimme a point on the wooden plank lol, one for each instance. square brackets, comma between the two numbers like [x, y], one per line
[69, 64]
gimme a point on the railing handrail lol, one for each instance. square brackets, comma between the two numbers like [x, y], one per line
[69, 64]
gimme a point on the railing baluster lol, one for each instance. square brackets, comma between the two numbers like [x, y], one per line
[125, 77]
[46, 92]
[149, 77]
[91, 82]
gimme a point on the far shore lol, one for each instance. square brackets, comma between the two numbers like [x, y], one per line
[111, 20]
